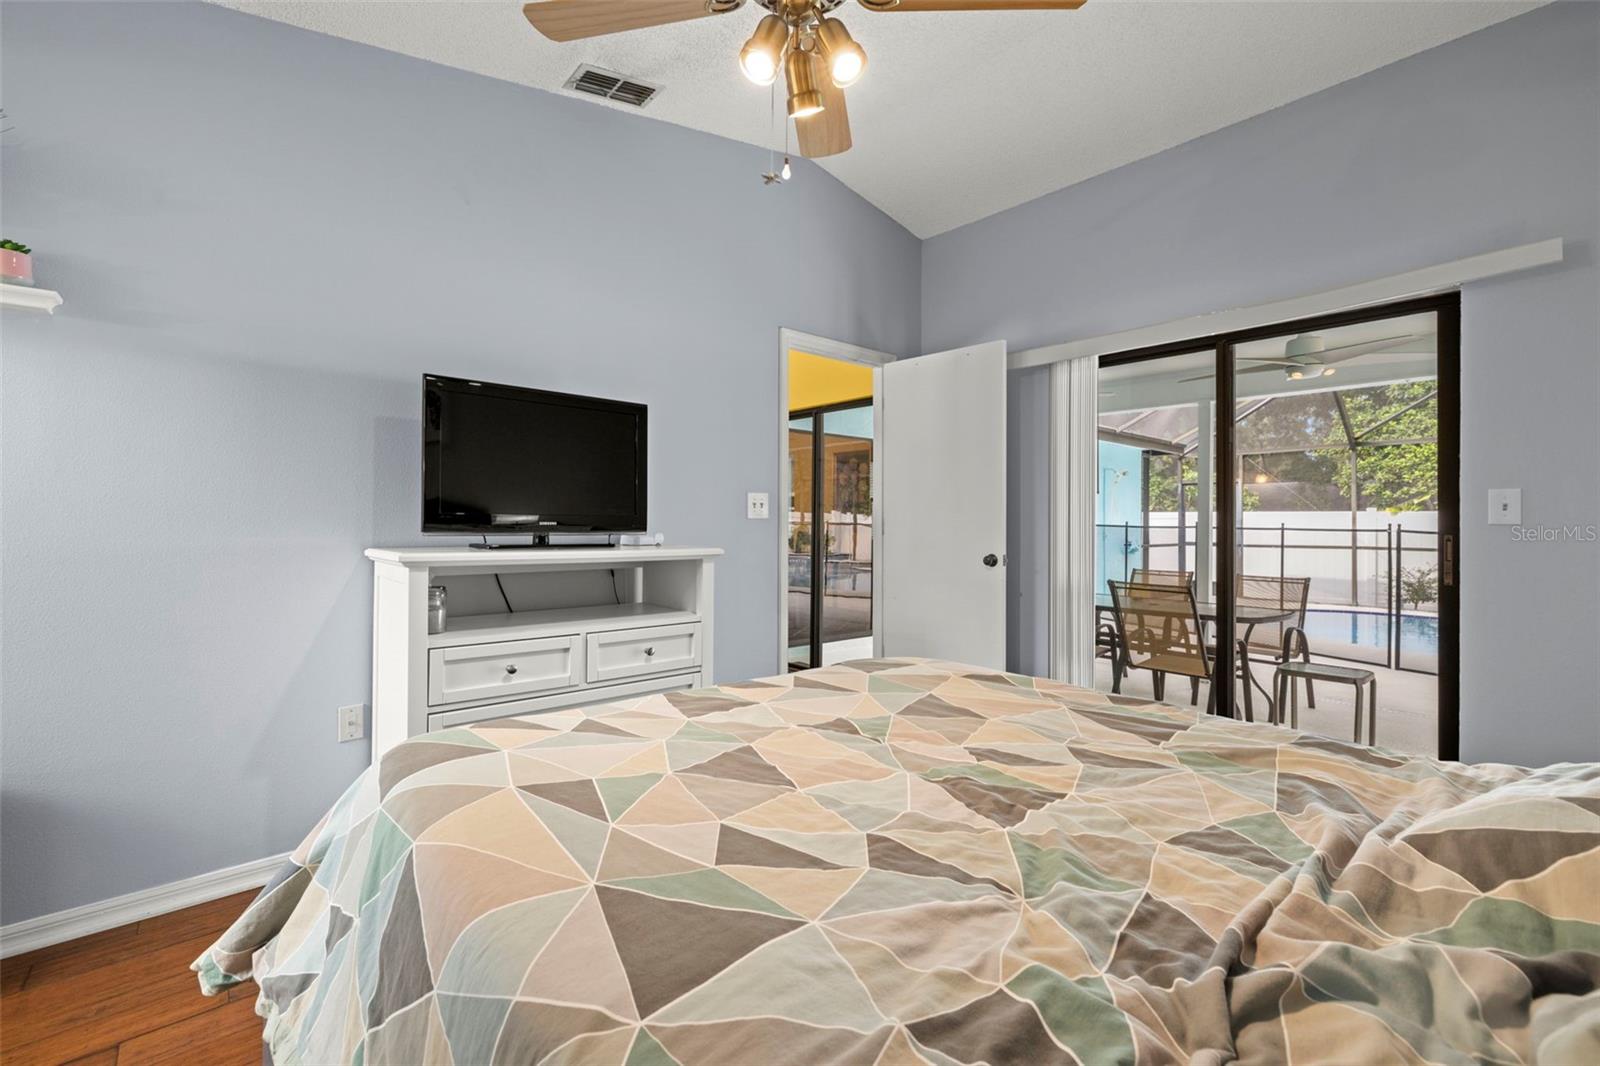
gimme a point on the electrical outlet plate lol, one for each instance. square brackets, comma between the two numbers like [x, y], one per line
[352, 722]
[756, 505]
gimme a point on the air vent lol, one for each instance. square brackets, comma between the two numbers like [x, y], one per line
[609, 85]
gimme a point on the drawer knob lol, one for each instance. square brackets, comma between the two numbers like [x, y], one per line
[511, 668]
[649, 651]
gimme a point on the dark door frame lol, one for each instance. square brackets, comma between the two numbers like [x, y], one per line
[819, 543]
[1447, 309]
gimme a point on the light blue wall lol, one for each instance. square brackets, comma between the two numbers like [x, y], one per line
[264, 237]
[1488, 141]
[1119, 494]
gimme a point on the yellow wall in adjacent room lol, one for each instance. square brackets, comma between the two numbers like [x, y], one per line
[816, 381]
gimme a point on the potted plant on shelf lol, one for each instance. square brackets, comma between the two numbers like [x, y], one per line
[16, 263]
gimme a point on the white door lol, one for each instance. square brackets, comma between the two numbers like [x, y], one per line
[942, 505]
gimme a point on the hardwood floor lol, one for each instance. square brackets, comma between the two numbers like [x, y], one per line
[126, 997]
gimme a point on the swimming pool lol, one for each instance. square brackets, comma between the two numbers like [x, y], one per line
[1419, 633]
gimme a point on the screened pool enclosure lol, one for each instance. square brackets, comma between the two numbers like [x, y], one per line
[1335, 485]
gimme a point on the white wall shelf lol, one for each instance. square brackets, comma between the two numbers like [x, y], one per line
[26, 296]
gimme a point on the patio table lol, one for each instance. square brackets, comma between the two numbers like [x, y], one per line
[1247, 615]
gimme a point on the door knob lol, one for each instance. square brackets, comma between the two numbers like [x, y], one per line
[991, 559]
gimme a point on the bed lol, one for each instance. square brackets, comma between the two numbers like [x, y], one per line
[909, 861]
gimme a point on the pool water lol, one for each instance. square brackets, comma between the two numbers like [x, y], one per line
[1419, 634]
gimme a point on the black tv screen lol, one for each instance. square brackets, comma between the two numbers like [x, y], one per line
[502, 459]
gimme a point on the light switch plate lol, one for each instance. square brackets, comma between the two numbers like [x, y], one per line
[1505, 507]
[352, 722]
[755, 505]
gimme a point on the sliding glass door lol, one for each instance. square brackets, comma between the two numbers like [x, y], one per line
[1340, 488]
[802, 520]
[830, 535]
[1156, 526]
[1336, 499]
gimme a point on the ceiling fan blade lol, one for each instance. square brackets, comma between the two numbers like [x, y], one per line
[1237, 373]
[1356, 351]
[828, 131]
[1376, 359]
[972, 5]
[574, 20]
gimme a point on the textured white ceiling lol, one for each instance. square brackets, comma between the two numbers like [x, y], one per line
[959, 115]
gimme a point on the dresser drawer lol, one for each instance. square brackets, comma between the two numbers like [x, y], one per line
[641, 652]
[589, 696]
[504, 669]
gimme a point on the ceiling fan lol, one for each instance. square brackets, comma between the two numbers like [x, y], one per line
[818, 57]
[1308, 356]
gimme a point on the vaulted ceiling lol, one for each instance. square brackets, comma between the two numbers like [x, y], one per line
[959, 115]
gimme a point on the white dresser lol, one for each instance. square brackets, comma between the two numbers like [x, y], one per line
[531, 630]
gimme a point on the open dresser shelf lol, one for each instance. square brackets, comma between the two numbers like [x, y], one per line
[527, 625]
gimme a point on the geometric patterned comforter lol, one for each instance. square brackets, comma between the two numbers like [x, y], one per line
[899, 861]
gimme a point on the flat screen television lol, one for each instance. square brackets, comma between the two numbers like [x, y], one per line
[503, 459]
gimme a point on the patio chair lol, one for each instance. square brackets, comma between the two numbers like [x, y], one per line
[1283, 641]
[1158, 629]
[1107, 646]
[1179, 578]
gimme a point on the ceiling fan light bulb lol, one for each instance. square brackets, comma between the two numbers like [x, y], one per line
[760, 55]
[804, 99]
[758, 68]
[804, 105]
[847, 67]
[846, 61]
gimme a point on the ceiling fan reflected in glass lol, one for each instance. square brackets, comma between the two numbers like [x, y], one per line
[817, 55]
[1308, 356]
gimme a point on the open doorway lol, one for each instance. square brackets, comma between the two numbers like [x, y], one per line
[829, 539]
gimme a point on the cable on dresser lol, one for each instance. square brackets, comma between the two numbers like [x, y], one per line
[503, 595]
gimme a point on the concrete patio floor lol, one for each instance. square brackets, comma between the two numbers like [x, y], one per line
[1407, 704]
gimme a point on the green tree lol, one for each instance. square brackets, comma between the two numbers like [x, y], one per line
[1164, 485]
[1396, 467]
[1419, 585]
[1164, 481]
[1398, 476]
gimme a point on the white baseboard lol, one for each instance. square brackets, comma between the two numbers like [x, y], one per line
[62, 926]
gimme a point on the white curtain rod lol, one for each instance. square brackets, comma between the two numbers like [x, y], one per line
[1440, 278]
